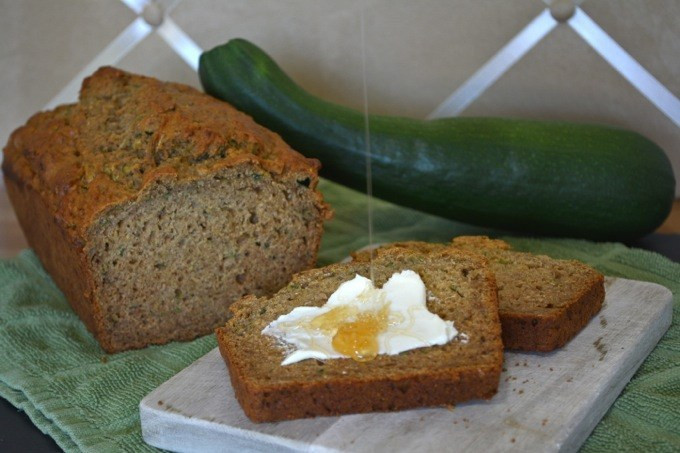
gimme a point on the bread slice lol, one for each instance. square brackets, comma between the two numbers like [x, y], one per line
[460, 288]
[153, 206]
[543, 302]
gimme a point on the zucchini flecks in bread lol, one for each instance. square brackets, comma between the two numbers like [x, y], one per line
[438, 375]
[170, 267]
[549, 178]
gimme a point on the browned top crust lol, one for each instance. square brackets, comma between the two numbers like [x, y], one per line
[479, 242]
[128, 131]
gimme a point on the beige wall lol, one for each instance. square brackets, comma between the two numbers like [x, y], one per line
[418, 53]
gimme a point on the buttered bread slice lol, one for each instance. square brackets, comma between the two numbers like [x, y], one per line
[543, 302]
[460, 288]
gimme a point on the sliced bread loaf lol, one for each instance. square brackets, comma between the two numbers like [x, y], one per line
[543, 302]
[460, 288]
[154, 206]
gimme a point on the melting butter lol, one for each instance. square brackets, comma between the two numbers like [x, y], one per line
[360, 321]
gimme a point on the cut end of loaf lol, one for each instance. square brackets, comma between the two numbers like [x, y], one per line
[168, 265]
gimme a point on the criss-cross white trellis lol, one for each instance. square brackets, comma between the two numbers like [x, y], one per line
[151, 17]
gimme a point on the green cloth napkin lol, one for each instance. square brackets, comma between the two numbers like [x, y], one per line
[53, 369]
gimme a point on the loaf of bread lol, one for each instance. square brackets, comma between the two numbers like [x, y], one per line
[154, 206]
[543, 302]
[460, 289]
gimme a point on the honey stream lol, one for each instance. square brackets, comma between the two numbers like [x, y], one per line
[367, 141]
[357, 332]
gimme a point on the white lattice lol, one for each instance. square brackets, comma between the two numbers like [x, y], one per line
[153, 16]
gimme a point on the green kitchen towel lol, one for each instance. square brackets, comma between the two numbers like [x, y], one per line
[53, 369]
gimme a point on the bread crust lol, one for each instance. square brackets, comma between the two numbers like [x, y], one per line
[55, 246]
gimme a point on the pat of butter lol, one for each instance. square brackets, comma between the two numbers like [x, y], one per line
[402, 298]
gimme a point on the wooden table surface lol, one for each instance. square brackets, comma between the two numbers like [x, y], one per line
[12, 239]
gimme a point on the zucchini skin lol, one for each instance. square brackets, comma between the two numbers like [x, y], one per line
[532, 177]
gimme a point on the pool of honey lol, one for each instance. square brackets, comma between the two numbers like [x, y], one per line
[356, 332]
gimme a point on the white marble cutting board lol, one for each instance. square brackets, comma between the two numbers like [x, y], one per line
[545, 402]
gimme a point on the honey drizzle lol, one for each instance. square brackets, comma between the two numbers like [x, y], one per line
[356, 333]
[367, 140]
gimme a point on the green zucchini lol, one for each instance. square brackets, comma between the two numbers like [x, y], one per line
[533, 177]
